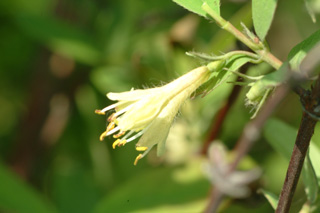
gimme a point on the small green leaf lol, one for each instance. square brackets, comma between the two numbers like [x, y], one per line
[17, 196]
[283, 141]
[237, 61]
[262, 14]
[215, 80]
[195, 5]
[299, 52]
[272, 198]
[310, 180]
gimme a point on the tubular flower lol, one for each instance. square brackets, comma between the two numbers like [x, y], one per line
[149, 113]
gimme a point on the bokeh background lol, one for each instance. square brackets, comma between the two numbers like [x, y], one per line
[58, 59]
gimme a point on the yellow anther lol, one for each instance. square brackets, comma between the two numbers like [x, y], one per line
[98, 111]
[110, 127]
[119, 134]
[117, 142]
[141, 148]
[137, 159]
[123, 142]
[103, 135]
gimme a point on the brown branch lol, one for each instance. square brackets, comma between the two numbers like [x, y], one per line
[310, 101]
[249, 135]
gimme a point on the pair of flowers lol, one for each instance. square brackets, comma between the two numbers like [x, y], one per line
[149, 113]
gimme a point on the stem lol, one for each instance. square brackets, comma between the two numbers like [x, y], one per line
[295, 166]
[215, 199]
[257, 47]
[249, 135]
[310, 105]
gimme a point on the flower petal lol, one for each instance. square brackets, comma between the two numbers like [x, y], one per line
[158, 131]
[141, 114]
[132, 95]
[189, 81]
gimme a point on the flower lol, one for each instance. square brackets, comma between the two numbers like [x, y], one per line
[149, 113]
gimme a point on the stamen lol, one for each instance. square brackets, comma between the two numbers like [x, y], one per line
[117, 142]
[119, 134]
[122, 111]
[113, 131]
[110, 126]
[141, 148]
[136, 136]
[137, 159]
[128, 135]
[111, 117]
[103, 135]
[122, 143]
[99, 112]
[102, 112]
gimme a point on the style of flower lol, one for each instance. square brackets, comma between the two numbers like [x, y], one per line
[149, 113]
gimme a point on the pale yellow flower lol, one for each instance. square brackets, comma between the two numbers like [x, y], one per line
[149, 113]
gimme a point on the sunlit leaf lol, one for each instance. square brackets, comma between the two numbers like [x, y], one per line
[272, 198]
[299, 52]
[195, 5]
[262, 14]
[310, 180]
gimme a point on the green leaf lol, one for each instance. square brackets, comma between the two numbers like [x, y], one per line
[216, 79]
[237, 61]
[299, 52]
[272, 198]
[310, 180]
[17, 196]
[282, 138]
[157, 188]
[195, 5]
[262, 14]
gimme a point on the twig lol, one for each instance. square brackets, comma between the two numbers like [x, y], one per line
[249, 135]
[257, 46]
[215, 199]
[310, 102]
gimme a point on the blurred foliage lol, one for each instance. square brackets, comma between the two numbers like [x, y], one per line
[58, 59]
